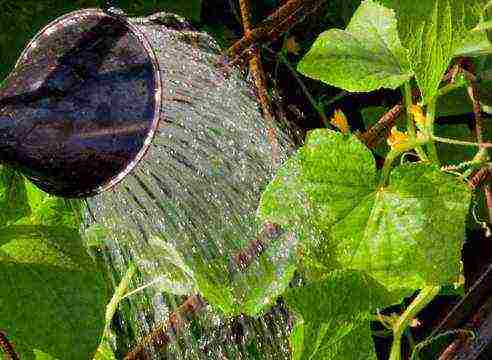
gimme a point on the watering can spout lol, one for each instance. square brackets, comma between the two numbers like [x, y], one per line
[81, 106]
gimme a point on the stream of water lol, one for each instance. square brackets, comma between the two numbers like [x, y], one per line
[196, 190]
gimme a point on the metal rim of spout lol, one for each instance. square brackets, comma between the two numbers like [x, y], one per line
[75, 16]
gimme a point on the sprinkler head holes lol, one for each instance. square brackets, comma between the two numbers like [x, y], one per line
[82, 104]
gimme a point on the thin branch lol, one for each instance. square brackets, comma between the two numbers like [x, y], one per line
[256, 68]
[481, 177]
[7, 347]
[470, 349]
[380, 130]
[304, 89]
[474, 93]
[286, 16]
[161, 335]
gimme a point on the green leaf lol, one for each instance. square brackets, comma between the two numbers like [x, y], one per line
[51, 210]
[168, 268]
[349, 340]
[265, 279]
[53, 297]
[334, 316]
[337, 172]
[13, 199]
[390, 232]
[366, 56]
[402, 235]
[249, 290]
[296, 340]
[433, 31]
[286, 200]
[218, 293]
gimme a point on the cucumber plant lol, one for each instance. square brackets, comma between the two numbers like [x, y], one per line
[369, 237]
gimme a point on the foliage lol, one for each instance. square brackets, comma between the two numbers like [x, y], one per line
[48, 279]
[388, 225]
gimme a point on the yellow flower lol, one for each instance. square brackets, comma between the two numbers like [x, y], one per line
[398, 140]
[418, 115]
[339, 120]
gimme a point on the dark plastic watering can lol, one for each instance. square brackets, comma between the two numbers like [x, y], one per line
[82, 104]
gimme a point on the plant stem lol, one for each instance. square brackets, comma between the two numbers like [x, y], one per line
[431, 146]
[306, 92]
[455, 142]
[392, 155]
[407, 93]
[119, 293]
[373, 136]
[423, 298]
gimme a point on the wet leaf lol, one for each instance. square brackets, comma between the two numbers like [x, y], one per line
[401, 235]
[167, 269]
[53, 296]
[265, 279]
[369, 50]
[285, 202]
[391, 232]
[337, 173]
[432, 32]
[250, 289]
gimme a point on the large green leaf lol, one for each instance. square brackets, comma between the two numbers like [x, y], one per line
[333, 316]
[433, 31]
[337, 173]
[402, 235]
[391, 232]
[52, 298]
[366, 56]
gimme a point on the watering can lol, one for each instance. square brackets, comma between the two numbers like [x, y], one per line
[82, 104]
